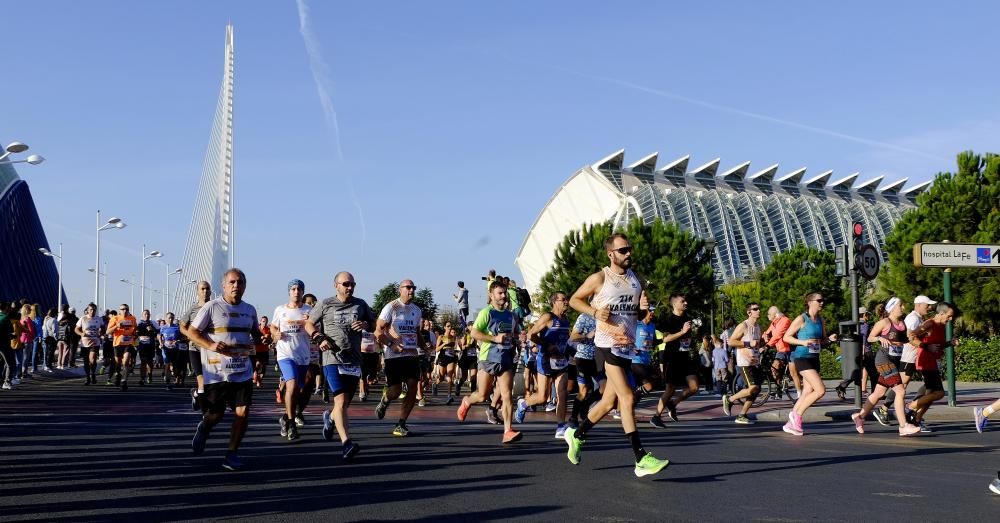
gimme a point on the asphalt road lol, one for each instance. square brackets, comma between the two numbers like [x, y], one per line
[75, 453]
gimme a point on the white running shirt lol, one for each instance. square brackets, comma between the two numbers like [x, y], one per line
[620, 293]
[232, 325]
[294, 342]
[404, 321]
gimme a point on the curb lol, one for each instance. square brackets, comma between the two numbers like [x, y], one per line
[936, 413]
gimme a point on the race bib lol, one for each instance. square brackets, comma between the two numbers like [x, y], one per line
[684, 345]
[558, 363]
[145, 340]
[623, 352]
[93, 332]
[814, 348]
[349, 370]
[896, 350]
[169, 343]
[237, 364]
[473, 351]
[409, 340]
[314, 354]
[452, 353]
[126, 339]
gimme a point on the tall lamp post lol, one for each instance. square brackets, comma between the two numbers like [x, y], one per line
[131, 295]
[166, 289]
[104, 291]
[18, 147]
[142, 279]
[49, 253]
[113, 223]
[710, 244]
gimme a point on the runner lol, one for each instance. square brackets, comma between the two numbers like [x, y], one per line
[468, 362]
[774, 336]
[398, 330]
[447, 359]
[204, 293]
[929, 339]
[123, 327]
[371, 361]
[495, 329]
[263, 350]
[617, 298]
[336, 326]
[808, 334]
[890, 332]
[590, 381]
[676, 366]
[921, 308]
[89, 329]
[642, 360]
[292, 354]
[746, 339]
[529, 355]
[169, 336]
[226, 328]
[426, 359]
[146, 332]
[981, 416]
[551, 334]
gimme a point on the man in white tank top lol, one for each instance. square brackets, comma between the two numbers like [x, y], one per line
[746, 339]
[615, 298]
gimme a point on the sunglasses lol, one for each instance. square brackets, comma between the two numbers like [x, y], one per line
[623, 250]
[346, 283]
[407, 286]
[821, 300]
[755, 308]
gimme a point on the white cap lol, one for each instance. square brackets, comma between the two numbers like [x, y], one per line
[862, 311]
[924, 299]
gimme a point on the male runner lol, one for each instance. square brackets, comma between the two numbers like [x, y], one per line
[123, 327]
[398, 330]
[336, 326]
[204, 293]
[642, 359]
[146, 333]
[225, 328]
[774, 338]
[371, 360]
[495, 330]
[929, 339]
[89, 328]
[676, 365]
[169, 336]
[288, 327]
[615, 298]
[746, 339]
[590, 381]
[551, 334]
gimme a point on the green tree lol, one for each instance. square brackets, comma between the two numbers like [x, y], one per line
[671, 260]
[799, 271]
[384, 295]
[734, 297]
[962, 207]
[424, 298]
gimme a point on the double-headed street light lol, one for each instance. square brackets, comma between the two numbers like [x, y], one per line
[166, 288]
[18, 147]
[142, 281]
[49, 253]
[131, 296]
[104, 298]
[113, 223]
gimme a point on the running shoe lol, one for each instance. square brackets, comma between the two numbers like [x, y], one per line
[200, 438]
[561, 430]
[656, 421]
[6, 386]
[650, 465]
[492, 417]
[328, 426]
[380, 409]
[124, 387]
[911, 417]
[615, 414]
[672, 411]
[881, 414]
[743, 420]
[924, 427]
[283, 423]
[142, 382]
[110, 381]
[522, 409]
[434, 389]
[195, 402]
[292, 430]
[550, 407]
[575, 445]
[841, 392]
[362, 398]
[351, 449]
[727, 405]
[859, 423]
[995, 485]
[796, 420]
[790, 428]
[88, 381]
[421, 403]
[463, 409]
[299, 420]
[978, 419]
[400, 431]
[511, 436]
[451, 399]
[232, 461]
[326, 394]
[908, 430]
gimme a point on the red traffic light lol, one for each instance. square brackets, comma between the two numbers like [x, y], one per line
[859, 228]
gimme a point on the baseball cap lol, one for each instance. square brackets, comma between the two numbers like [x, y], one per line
[924, 299]
[862, 310]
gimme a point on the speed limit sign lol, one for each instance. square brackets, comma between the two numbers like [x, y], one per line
[869, 262]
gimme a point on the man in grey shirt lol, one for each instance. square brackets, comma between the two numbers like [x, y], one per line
[462, 297]
[335, 325]
[204, 293]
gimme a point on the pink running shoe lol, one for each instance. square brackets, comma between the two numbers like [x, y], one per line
[859, 423]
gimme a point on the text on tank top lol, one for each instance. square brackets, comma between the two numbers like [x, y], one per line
[620, 294]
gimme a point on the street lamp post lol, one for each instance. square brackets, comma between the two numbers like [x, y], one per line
[18, 147]
[47, 252]
[142, 280]
[710, 244]
[104, 290]
[166, 289]
[131, 295]
[113, 223]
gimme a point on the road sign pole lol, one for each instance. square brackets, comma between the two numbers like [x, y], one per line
[949, 349]
[859, 385]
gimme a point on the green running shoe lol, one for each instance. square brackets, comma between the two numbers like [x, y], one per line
[650, 465]
[573, 454]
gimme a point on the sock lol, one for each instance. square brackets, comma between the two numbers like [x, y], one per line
[402, 422]
[633, 439]
[346, 442]
[581, 433]
[988, 410]
[575, 413]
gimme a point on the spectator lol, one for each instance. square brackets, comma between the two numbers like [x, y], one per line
[720, 366]
[34, 349]
[6, 339]
[49, 328]
[705, 358]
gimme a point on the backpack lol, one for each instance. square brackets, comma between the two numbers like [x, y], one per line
[523, 298]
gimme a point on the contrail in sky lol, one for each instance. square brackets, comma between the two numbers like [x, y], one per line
[321, 75]
[750, 114]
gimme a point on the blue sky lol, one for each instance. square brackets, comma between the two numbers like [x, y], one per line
[458, 120]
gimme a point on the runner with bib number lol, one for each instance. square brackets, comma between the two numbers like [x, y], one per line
[551, 334]
[677, 367]
[398, 330]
